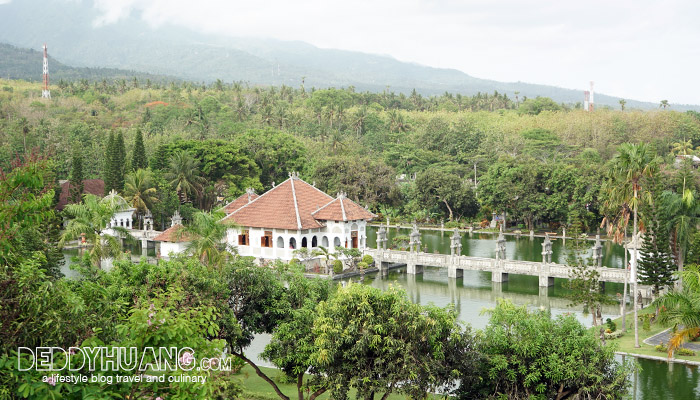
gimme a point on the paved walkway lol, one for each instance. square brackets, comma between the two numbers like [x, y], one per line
[664, 337]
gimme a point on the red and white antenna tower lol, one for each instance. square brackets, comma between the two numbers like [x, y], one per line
[46, 93]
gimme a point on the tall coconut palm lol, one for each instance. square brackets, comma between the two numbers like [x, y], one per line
[626, 170]
[183, 175]
[91, 218]
[681, 309]
[683, 147]
[139, 190]
[206, 236]
[685, 209]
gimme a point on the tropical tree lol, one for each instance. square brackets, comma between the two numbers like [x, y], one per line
[76, 176]
[139, 155]
[140, 191]
[683, 147]
[664, 104]
[183, 175]
[681, 309]
[684, 209]
[622, 104]
[624, 188]
[92, 218]
[206, 237]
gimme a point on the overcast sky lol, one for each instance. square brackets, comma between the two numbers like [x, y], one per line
[644, 50]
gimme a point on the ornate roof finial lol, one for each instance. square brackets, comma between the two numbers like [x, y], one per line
[176, 219]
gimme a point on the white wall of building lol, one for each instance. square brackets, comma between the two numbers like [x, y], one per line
[333, 234]
[168, 248]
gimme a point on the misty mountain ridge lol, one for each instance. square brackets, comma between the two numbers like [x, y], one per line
[131, 44]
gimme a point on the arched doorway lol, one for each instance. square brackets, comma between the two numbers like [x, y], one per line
[336, 242]
[314, 242]
[280, 242]
[324, 242]
[292, 243]
[304, 242]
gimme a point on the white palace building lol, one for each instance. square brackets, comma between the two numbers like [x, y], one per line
[291, 215]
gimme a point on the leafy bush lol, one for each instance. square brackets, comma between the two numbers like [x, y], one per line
[681, 351]
[367, 259]
[614, 335]
[337, 266]
[362, 265]
[454, 224]
[611, 325]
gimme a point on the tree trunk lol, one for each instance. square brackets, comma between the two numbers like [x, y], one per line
[262, 375]
[634, 278]
[300, 383]
[448, 208]
[624, 294]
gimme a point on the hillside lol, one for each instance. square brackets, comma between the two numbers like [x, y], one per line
[18, 63]
[132, 44]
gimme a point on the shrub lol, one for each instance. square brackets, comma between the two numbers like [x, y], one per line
[362, 265]
[453, 224]
[367, 259]
[337, 266]
[681, 351]
[611, 325]
[614, 335]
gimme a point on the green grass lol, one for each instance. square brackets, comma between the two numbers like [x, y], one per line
[626, 342]
[254, 387]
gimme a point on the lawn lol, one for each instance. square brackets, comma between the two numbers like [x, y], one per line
[626, 342]
[254, 387]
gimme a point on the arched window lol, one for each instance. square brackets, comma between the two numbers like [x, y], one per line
[292, 243]
[324, 242]
[314, 242]
[336, 242]
[304, 242]
[280, 242]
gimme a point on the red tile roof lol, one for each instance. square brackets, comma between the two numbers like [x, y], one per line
[170, 235]
[240, 202]
[342, 209]
[92, 186]
[291, 205]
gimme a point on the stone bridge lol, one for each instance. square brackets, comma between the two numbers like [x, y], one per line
[500, 267]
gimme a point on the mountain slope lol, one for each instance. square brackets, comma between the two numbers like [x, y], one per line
[132, 44]
[18, 63]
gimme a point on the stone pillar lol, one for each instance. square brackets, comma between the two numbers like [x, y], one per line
[414, 242]
[493, 220]
[455, 252]
[501, 246]
[598, 251]
[412, 268]
[144, 247]
[532, 234]
[544, 279]
[148, 221]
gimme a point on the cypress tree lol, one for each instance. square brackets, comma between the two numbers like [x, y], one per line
[656, 265]
[108, 175]
[161, 158]
[138, 160]
[76, 177]
[119, 162]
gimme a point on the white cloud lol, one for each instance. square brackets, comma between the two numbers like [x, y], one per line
[642, 49]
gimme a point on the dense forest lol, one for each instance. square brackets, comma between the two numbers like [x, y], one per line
[407, 157]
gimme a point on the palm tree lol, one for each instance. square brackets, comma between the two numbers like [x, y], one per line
[664, 104]
[92, 217]
[206, 237]
[622, 104]
[627, 168]
[682, 148]
[684, 208]
[139, 191]
[681, 308]
[183, 175]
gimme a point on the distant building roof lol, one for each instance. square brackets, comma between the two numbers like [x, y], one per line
[170, 235]
[240, 202]
[92, 186]
[291, 205]
[342, 209]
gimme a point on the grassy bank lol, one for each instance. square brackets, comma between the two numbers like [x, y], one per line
[254, 387]
[626, 342]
